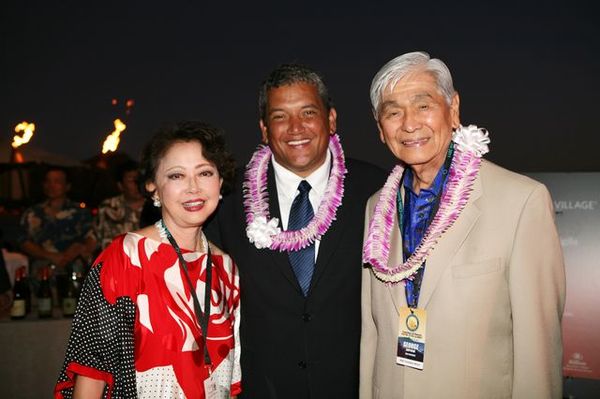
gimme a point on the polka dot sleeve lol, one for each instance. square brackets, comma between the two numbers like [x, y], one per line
[101, 342]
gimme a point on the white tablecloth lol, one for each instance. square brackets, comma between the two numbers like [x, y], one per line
[13, 261]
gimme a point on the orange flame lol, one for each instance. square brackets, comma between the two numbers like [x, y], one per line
[112, 141]
[24, 132]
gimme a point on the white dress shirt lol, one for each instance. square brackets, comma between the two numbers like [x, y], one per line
[287, 189]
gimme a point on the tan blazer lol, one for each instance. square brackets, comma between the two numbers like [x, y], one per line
[493, 289]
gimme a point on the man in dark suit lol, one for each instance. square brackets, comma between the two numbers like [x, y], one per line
[300, 322]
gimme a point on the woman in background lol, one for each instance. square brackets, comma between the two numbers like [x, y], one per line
[139, 330]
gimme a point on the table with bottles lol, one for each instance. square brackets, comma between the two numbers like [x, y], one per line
[35, 332]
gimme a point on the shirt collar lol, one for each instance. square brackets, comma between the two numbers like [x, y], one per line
[67, 203]
[287, 181]
[434, 189]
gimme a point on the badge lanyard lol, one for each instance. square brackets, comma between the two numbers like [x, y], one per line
[201, 317]
[412, 291]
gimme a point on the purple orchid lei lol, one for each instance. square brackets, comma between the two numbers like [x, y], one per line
[470, 144]
[264, 232]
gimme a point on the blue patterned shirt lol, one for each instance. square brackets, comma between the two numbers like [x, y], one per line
[55, 234]
[417, 215]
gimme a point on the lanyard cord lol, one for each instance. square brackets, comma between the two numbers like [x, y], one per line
[200, 316]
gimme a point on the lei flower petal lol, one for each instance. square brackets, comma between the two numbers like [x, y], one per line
[471, 143]
[260, 231]
[264, 232]
[472, 139]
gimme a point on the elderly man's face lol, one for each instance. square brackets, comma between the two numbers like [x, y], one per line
[416, 122]
[297, 127]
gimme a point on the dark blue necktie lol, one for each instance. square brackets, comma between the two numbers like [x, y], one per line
[303, 261]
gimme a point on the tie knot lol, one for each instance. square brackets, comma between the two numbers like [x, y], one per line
[304, 187]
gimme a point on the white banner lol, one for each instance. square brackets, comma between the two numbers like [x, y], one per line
[577, 205]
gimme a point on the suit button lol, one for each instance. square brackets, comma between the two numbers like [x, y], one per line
[302, 364]
[306, 317]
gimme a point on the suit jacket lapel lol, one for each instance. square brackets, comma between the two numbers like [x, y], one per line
[280, 259]
[329, 244]
[443, 253]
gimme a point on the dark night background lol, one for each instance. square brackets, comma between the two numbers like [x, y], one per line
[528, 73]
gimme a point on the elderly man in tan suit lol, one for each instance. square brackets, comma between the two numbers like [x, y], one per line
[463, 286]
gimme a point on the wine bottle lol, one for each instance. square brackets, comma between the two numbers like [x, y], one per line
[44, 295]
[20, 292]
[69, 301]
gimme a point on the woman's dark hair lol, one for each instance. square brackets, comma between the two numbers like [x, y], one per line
[211, 138]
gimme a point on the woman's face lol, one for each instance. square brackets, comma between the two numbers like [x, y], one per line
[187, 185]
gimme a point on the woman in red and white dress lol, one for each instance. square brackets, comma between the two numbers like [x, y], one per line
[141, 329]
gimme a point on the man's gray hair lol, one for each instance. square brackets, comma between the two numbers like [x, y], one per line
[389, 75]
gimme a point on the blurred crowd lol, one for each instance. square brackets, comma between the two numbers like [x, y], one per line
[66, 235]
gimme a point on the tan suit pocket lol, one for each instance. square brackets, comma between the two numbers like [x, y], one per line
[468, 270]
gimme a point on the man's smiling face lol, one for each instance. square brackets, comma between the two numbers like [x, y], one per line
[297, 127]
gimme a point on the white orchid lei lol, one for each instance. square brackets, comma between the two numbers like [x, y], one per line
[470, 143]
[264, 232]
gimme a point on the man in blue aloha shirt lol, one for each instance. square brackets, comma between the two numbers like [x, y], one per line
[57, 231]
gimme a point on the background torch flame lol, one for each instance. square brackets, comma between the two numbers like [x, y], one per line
[24, 132]
[112, 141]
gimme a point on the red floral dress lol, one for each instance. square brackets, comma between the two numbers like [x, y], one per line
[136, 329]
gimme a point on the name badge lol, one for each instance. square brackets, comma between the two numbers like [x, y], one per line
[210, 388]
[411, 338]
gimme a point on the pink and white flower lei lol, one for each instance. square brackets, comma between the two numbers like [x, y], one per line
[264, 232]
[470, 144]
